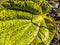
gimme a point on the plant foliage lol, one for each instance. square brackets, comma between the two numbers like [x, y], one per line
[25, 22]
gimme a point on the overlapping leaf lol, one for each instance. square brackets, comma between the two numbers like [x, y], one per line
[24, 22]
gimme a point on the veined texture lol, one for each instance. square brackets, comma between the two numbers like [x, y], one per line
[25, 22]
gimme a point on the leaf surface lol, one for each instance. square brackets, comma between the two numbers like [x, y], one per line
[17, 32]
[46, 32]
[25, 22]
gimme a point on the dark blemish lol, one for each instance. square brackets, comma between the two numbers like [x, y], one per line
[3, 29]
[20, 39]
[25, 40]
[41, 43]
[17, 29]
[2, 32]
[12, 44]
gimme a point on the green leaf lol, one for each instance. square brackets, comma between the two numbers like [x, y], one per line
[28, 6]
[45, 7]
[12, 14]
[45, 34]
[26, 23]
[17, 32]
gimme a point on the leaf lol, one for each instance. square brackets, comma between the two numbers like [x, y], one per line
[17, 32]
[31, 6]
[45, 7]
[52, 28]
[27, 6]
[12, 14]
[26, 23]
[45, 34]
